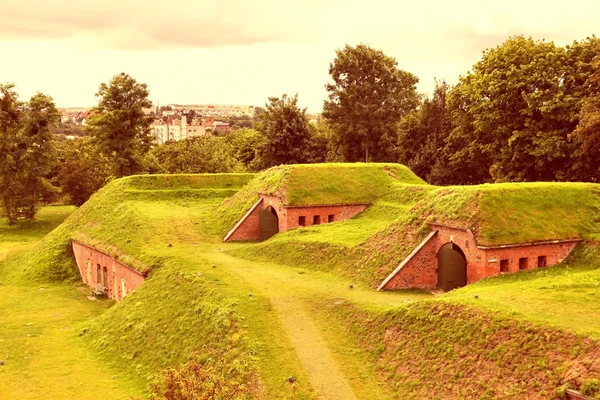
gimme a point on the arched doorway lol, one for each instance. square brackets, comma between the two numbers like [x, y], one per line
[268, 223]
[452, 267]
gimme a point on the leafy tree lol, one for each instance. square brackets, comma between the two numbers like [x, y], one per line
[10, 149]
[513, 113]
[422, 135]
[367, 98]
[203, 154]
[39, 154]
[587, 133]
[246, 144]
[286, 130]
[82, 170]
[26, 151]
[119, 126]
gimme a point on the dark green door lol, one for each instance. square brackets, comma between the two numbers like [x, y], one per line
[452, 267]
[268, 223]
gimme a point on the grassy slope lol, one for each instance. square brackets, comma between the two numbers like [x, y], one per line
[43, 356]
[334, 183]
[146, 225]
[178, 312]
[441, 350]
[370, 246]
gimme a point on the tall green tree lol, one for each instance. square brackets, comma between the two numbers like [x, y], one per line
[422, 135]
[587, 133]
[286, 130]
[39, 154]
[81, 169]
[367, 98]
[513, 113]
[10, 149]
[119, 126]
[26, 151]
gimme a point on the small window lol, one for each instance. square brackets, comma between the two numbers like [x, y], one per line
[316, 220]
[541, 261]
[302, 221]
[522, 263]
[98, 274]
[503, 265]
[331, 218]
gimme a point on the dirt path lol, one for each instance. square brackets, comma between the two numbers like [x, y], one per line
[324, 373]
[289, 291]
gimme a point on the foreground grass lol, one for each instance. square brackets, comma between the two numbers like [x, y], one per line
[43, 356]
[286, 308]
[564, 296]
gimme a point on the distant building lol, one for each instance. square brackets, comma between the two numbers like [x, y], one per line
[221, 126]
[176, 129]
[216, 110]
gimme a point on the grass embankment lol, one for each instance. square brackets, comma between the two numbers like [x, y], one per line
[368, 247]
[441, 350]
[43, 356]
[563, 296]
[177, 315]
[510, 213]
[317, 184]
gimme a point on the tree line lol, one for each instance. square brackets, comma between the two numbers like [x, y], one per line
[527, 111]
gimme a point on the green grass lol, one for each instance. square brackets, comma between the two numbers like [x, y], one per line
[511, 213]
[283, 307]
[313, 184]
[43, 356]
[442, 350]
[564, 296]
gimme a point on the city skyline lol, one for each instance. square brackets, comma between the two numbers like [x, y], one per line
[231, 52]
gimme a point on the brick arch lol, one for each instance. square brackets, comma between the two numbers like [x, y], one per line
[452, 266]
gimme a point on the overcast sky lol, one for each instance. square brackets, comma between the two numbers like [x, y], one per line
[242, 52]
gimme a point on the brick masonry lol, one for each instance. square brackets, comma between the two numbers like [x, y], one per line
[95, 265]
[419, 269]
[290, 216]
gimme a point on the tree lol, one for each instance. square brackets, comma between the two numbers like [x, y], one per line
[513, 113]
[246, 144]
[82, 170]
[286, 130]
[367, 98]
[587, 133]
[39, 155]
[203, 154]
[26, 151]
[10, 149]
[422, 135]
[119, 126]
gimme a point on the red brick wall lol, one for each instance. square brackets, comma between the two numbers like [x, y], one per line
[248, 229]
[554, 253]
[116, 271]
[340, 213]
[420, 271]
[289, 216]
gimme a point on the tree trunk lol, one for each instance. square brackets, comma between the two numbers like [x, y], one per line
[366, 153]
[11, 212]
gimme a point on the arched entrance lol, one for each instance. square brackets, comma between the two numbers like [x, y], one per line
[452, 267]
[268, 223]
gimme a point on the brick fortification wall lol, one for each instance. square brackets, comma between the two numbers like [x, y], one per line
[419, 269]
[120, 279]
[290, 217]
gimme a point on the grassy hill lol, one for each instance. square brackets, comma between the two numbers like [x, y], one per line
[371, 245]
[283, 307]
[316, 184]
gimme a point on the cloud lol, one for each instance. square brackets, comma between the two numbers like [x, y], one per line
[144, 25]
